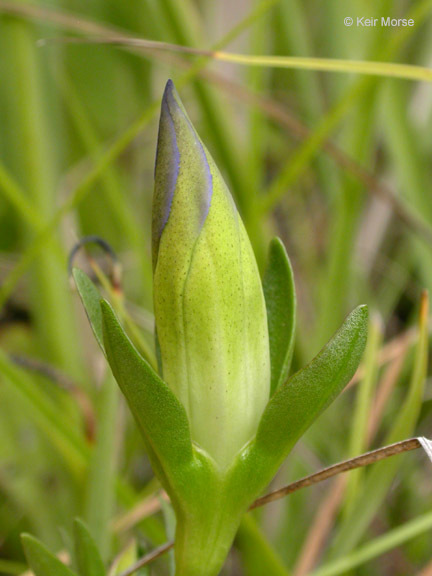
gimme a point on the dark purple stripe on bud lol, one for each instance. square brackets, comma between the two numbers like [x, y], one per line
[167, 168]
[182, 168]
[202, 165]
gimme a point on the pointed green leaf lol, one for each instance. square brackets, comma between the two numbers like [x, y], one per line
[308, 392]
[41, 560]
[87, 555]
[90, 298]
[279, 292]
[159, 414]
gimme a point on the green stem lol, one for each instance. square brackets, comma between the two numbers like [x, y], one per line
[203, 541]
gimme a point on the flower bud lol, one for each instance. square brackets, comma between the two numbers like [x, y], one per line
[209, 306]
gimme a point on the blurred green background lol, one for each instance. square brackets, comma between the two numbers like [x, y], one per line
[338, 165]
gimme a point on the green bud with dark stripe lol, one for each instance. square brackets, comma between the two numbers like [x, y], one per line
[210, 312]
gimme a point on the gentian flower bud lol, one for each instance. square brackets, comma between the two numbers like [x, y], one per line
[214, 433]
[209, 306]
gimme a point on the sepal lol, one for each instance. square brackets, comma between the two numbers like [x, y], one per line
[280, 299]
[298, 403]
[90, 299]
[157, 411]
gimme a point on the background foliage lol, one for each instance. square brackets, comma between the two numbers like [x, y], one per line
[337, 165]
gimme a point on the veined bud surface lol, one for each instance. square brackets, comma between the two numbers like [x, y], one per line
[209, 306]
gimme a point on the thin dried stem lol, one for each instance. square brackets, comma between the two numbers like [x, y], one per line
[335, 469]
[382, 69]
[129, 42]
[390, 69]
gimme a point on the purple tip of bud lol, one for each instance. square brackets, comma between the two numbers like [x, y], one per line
[177, 110]
[167, 166]
[179, 147]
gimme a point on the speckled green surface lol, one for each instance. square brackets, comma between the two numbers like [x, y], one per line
[209, 305]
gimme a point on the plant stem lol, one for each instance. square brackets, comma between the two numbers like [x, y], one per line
[345, 466]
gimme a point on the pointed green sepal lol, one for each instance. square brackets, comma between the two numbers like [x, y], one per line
[297, 404]
[157, 411]
[88, 558]
[90, 298]
[309, 392]
[41, 560]
[280, 298]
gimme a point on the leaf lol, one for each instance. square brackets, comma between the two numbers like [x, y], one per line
[279, 292]
[88, 559]
[41, 560]
[308, 392]
[90, 298]
[157, 411]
